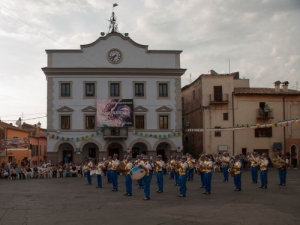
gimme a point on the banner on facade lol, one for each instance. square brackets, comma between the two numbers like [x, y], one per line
[15, 143]
[114, 112]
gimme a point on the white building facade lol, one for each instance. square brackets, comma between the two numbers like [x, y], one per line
[85, 88]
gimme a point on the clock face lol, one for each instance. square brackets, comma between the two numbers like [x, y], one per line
[114, 56]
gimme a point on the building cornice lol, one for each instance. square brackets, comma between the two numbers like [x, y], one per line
[113, 71]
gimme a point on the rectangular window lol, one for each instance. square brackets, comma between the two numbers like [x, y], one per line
[90, 89]
[114, 89]
[65, 90]
[163, 122]
[90, 122]
[263, 132]
[139, 89]
[65, 122]
[218, 93]
[217, 133]
[139, 122]
[225, 116]
[163, 90]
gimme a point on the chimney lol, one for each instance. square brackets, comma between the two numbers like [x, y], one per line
[285, 85]
[277, 86]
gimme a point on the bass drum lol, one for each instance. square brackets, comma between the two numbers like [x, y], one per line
[137, 173]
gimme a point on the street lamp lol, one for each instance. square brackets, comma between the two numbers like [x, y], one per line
[38, 126]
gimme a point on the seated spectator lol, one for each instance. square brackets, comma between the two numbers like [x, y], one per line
[54, 171]
[28, 172]
[73, 171]
[5, 174]
[20, 173]
[35, 172]
[60, 172]
[13, 174]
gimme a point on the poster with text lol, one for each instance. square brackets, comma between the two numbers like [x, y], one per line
[114, 112]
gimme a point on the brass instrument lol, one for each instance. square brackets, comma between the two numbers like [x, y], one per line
[121, 167]
[279, 163]
[232, 169]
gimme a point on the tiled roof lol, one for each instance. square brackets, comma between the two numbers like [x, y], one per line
[263, 91]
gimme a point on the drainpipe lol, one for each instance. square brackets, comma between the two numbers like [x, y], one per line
[284, 141]
[233, 133]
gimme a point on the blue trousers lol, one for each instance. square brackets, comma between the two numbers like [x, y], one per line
[254, 174]
[202, 174]
[160, 180]
[182, 185]
[264, 178]
[128, 184]
[89, 178]
[225, 172]
[207, 181]
[237, 181]
[172, 174]
[176, 178]
[99, 180]
[191, 174]
[114, 179]
[140, 182]
[108, 173]
[282, 176]
[146, 185]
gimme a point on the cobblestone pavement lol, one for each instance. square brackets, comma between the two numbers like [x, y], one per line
[70, 201]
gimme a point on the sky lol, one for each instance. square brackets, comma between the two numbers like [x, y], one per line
[258, 38]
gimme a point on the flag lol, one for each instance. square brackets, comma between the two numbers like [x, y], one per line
[115, 4]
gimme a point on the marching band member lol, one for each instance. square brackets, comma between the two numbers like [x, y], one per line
[263, 165]
[176, 172]
[182, 171]
[128, 181]
[108, 164]
[281, 164]
[159, 165]
[147, 178]
[237, 173]
[137, 161]
[90, 167]
[254, 159]
[201, 170]
[191, 168]
[171, 167]
[114, 174]
[99, 172]
[225, 165]
[208, 166]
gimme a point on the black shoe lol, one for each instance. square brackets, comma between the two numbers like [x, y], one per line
[283, 184]
[260, 187]
[206, 193]
[202, 187]
[159, 191]
[129, 194]
[126, 194]
[114, 190]
[265, 187]
[237, 190]
[181, 195]
[146, 198]
[98, 186]
[279, 184]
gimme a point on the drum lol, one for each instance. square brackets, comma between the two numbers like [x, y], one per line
[137, 173]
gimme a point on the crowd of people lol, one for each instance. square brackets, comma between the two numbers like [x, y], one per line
[142, 168]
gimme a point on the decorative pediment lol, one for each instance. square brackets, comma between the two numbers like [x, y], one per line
[65, 109]
[89, 109]
[164, 109]
[140, 109]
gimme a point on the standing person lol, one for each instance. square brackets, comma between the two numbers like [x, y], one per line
[263, 165]
[159, 166]
[182, 171]
[147, 178]
[90, 166]
[201, 170]
[254, 160]
[191, 168]
[176, 174]
[208, 166]
[171, 167]
[114, 173]
[108, 164]
[138, 160]
[128, 181]
[225, 165]
[99, 172]
[281, 164]
[237, 166]
[295, 161]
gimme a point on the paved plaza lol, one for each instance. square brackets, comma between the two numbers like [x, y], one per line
[70, 201]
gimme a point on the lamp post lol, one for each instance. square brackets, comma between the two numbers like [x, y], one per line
[38, 126]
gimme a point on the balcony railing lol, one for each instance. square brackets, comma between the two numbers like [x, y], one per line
[261, 114]
[115, 132]
[218, 99]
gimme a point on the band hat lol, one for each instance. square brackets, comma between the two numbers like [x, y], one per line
[183, 157]
[159, 156]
